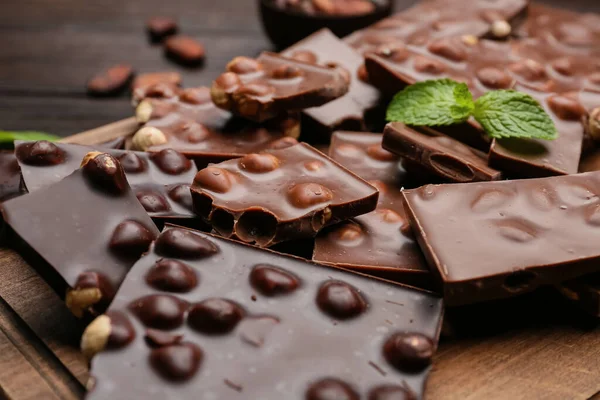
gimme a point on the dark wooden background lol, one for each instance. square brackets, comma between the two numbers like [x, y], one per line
[537, 347]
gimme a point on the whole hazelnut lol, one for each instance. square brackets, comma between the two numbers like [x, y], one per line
[147, 137]
[593, 125]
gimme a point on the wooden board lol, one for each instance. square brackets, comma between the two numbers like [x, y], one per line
[537, 347]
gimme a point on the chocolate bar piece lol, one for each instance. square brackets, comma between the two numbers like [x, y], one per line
[161, 180]
[279, 195]
[190, 123]
[584, 292]
[154, 84]
[490, 240]
[439, 154]
[10, 176]
[89, 228]
[263, 88]
[379, 243]
[209, 316]
[567, 30]
[539, 158]
[350, 111]
[438, 19]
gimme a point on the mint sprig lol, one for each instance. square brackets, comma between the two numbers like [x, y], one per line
[10, 136]
[501, 113]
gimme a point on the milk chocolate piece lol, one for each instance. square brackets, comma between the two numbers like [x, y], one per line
[439, 154]
[349, 112]
[379, 243]
[439, 19]
[490, 240]
[539, 158]
[279, 195]
[238, 332]
[89, 228]
[161, 27]
[10, 176]
[155, 84]
[265, 87]
[567, 30]
[160, 180]
[191, 124]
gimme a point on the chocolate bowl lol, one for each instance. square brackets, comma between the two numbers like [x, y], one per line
[286, 27]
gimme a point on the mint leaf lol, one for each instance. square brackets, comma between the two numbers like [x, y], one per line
[507, 113]
[10, 136]
[432, 103]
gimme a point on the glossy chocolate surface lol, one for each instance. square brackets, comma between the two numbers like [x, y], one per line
[498, 239]
[10, 176]
[265, 87]
[379, 243]
[439, 154]
[279, 195]
[287, 328]
[347, 112]
[160, 180]
[194, 126]
[89, 227]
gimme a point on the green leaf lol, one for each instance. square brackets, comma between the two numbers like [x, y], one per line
[10, 136]
[432, 103]
[507, 113]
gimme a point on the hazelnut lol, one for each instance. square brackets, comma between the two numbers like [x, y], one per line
[470, 40]
[95, 337]
[147, 137]
[143, 112]
[81, 300]
[89, 157]
[593, 125]
[500, 29]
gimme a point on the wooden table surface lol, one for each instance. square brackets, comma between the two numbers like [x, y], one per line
[535, 347]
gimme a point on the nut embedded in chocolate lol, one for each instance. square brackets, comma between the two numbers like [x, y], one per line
[160, 311]
[411, 352]
[593, 124]
[110, 81]
[40, 153]
[331, 388]
[160, 28]
[130, 239]
[95, 337]
[215, 316]
[183, 243]
[143, 84]
[147, 137]
[340, 300]
[184, 50]
[177, 362]
[106, 173]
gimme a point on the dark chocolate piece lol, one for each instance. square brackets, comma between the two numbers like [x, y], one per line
[439, 154]
[265, 87]
[539, 158]
[160, 180]
[89, 228]
[184, 50]
[287, 26]
[309, 332]
[279, 195]
[10, 176]
[161, 27]
[490, 240]
[111, 81]
[190, 123]
[350, 111]
[379, 243]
